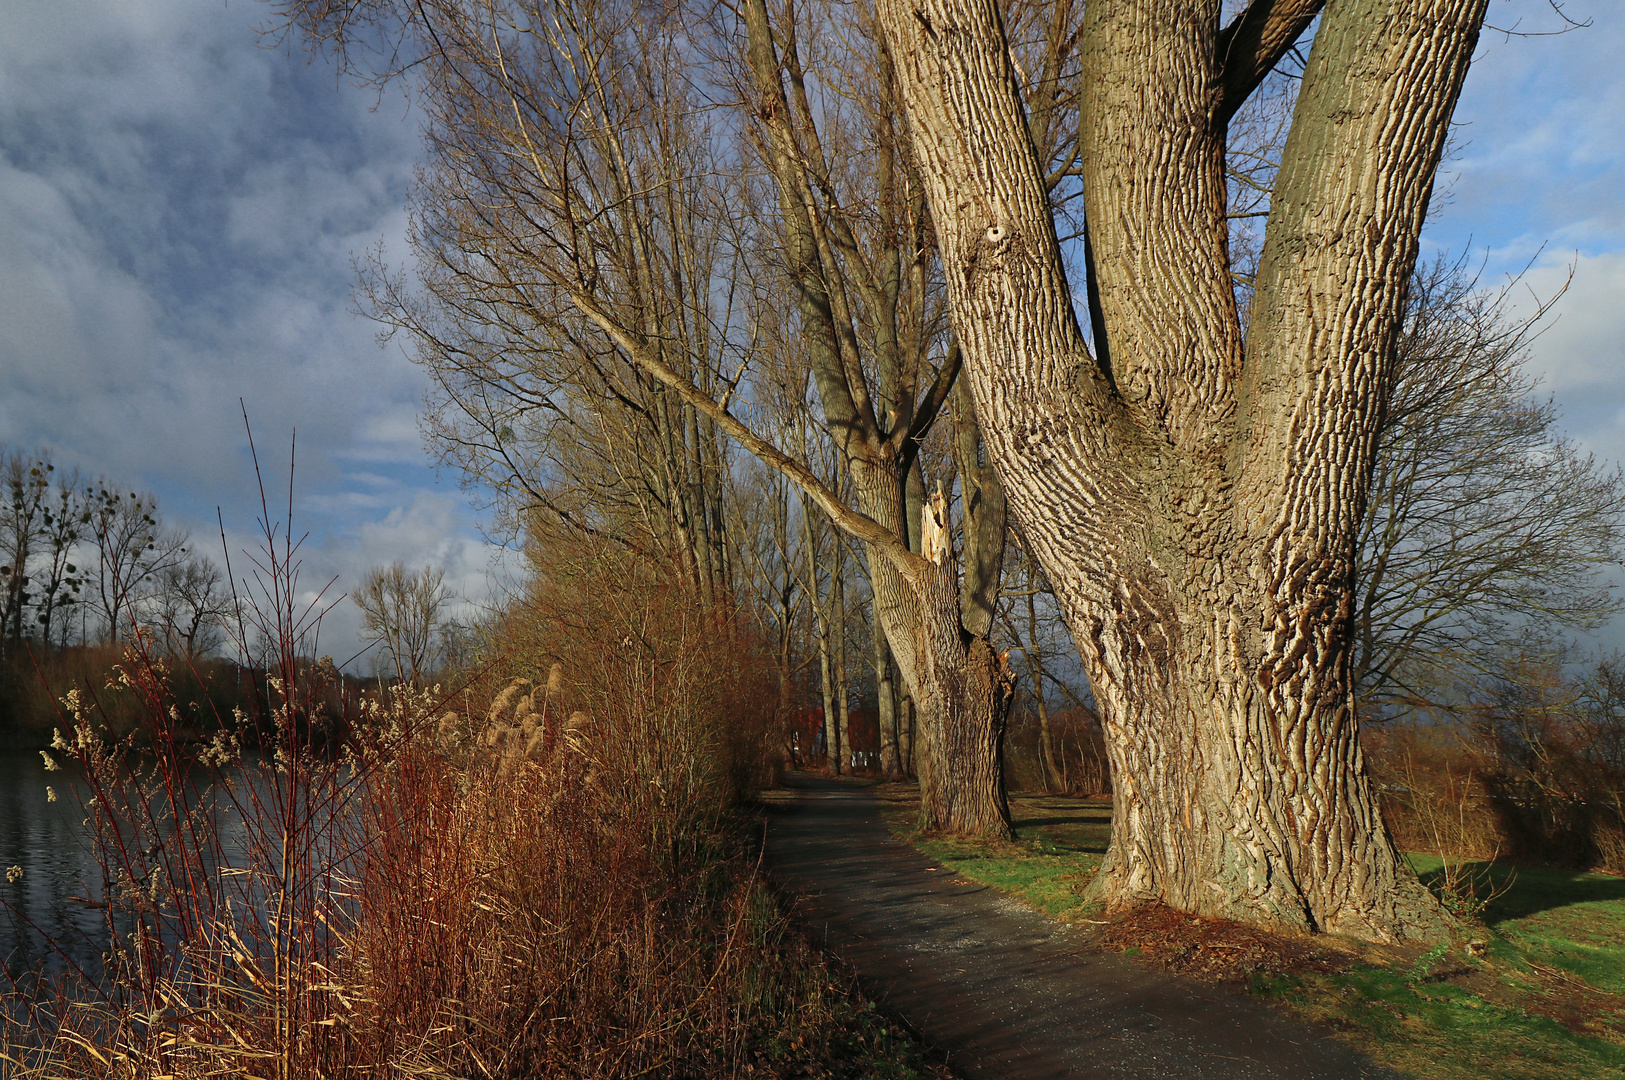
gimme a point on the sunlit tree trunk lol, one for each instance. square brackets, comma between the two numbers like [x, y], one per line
[1195, 504]
[891, 764]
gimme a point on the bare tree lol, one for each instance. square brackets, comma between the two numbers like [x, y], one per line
[1192, 484]
[1193, 494]
[572, 169]
[402, 611]
[25, 485]
[1485, 529]
[532, 399]
[131, 548]
[65, 517]
[764, 527]
[192, 601]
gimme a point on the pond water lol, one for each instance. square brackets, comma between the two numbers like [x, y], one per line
[53, 918]
[50, 841]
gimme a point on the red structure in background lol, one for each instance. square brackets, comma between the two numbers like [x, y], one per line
[805, 734]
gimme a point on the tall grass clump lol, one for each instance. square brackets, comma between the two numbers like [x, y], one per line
[579, 899]
[542, 872]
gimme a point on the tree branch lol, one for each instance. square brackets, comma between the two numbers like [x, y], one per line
[848, 520]
[1251, 46]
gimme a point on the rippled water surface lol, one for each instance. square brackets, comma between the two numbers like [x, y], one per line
[52, 917]
[50, 842]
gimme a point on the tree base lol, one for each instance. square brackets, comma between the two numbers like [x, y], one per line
[1402, 911]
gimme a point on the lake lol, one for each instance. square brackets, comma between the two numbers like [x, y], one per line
[51, 843]
[50, 917]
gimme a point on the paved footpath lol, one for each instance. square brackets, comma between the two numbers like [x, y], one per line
[1005, 992]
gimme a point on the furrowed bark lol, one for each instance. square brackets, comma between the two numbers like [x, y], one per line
[964, 724]
[876, 429]
[1196, 507]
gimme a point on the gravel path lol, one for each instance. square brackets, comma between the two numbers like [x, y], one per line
[1003, 991]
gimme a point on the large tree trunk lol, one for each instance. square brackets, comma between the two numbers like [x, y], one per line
[1196, 509]
[959, 686]
[970, 688]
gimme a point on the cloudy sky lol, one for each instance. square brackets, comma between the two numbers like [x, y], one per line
[179, 208]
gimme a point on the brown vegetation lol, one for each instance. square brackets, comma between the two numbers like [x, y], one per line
[1533, 770]
[33, 683]
[1077, 757]
[539, 874]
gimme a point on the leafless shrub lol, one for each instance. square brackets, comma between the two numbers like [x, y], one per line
[538, 881]
[1532, 767]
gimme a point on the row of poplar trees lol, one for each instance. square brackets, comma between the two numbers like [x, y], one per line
[1131, 282]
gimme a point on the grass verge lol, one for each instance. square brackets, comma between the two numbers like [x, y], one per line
[1540, 997]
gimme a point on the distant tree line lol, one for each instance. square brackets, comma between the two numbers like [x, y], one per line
[84, 562]
[84, 565]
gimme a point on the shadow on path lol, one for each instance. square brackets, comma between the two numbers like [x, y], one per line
[1003, 991]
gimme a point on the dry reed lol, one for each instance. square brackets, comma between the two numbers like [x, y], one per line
[551, 883]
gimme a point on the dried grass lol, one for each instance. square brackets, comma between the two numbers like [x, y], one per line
[545, 880]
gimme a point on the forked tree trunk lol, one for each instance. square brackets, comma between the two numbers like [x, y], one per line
[970, 687]
[1238, 788]
[1193, 502]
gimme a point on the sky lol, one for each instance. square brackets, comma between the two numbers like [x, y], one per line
[181, 205]
[179, 210]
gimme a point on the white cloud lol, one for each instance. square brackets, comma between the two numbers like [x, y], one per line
[179, 208]
[1581, 355]
[1581, 361]
[1541, 136]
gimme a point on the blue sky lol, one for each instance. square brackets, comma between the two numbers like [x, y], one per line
[179, 208]
[1541, 164]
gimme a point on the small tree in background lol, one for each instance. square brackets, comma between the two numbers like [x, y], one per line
[190, 599]
[401, 611]
[1487, 529]
[132, 548]
[25, 484]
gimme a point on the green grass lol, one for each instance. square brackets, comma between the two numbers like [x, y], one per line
[1540, 997]
[1567, 919]
[1441, 1030]
[1058, 848]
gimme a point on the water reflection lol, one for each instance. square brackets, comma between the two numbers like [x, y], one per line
[54, 918]
[51, 842]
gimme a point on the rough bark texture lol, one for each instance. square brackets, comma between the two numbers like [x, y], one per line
[876, 421]
[972, 689]
[1195, 504]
